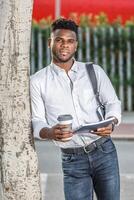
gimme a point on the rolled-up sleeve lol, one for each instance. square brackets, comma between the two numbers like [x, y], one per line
[38, 108]
[114, 109]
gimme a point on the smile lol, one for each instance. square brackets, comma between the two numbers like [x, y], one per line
[64, 53]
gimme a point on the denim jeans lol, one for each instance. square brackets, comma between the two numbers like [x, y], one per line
[95, 171]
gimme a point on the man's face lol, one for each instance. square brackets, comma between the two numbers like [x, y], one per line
[63, 44]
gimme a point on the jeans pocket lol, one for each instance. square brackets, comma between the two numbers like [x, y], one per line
[67, 158]
[107, 147]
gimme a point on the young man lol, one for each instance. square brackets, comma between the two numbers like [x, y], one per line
[63, 87]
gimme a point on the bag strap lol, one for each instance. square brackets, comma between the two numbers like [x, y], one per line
[92, 76]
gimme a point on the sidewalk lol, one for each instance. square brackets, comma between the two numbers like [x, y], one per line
[125, 131]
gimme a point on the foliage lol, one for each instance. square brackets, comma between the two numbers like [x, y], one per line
[85, 20]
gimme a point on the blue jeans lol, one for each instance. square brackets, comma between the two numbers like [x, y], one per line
[96, 170]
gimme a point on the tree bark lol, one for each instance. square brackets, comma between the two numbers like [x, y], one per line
[19, 176]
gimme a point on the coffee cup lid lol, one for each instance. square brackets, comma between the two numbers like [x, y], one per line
[64, 117]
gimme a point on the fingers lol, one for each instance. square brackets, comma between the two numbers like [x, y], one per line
[105, 131]
[61, 135]
[58, 134]
[61, 126]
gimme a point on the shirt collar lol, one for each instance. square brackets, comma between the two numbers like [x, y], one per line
[58, 69]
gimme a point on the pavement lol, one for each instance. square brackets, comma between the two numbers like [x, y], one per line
[125, 131]
[52, 187]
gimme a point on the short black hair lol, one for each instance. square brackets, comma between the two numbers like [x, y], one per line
[63, 23]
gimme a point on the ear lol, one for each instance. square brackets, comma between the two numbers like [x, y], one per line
[49, 42]
[76, 46]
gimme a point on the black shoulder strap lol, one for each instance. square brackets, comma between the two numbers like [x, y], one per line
[92, 76]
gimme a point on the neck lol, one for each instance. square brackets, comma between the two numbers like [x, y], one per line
[66, 66]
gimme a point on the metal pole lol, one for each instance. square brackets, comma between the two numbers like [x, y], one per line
[57, 8]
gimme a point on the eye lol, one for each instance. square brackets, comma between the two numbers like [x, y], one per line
[58, 40]
[71, 41]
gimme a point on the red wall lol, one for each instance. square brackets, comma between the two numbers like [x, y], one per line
[113, 8]
[43, 8]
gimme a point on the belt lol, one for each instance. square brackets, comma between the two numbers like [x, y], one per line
[86, 149]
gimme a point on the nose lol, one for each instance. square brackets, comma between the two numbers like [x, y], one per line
[64, 43]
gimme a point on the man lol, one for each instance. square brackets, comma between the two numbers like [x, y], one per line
[63, 87]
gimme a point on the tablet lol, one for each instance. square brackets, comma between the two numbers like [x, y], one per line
[94, 126]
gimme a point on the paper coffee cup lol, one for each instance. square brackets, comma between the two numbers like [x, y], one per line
[66, 120]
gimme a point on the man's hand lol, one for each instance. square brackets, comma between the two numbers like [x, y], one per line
[56, 133]
[105, 131]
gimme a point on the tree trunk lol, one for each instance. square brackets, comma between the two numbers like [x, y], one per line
[18, 159]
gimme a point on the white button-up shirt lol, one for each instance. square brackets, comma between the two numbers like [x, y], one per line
[54, 92]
